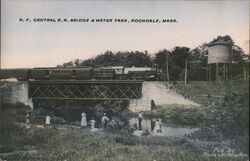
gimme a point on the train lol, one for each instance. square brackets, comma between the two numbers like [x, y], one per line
[80, 73]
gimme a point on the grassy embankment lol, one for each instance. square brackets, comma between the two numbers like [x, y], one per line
[207, 94]
[203, 92]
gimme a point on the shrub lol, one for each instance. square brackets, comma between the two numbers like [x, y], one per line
[231, 112]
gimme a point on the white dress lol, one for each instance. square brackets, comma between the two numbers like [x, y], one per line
[157, 127]
[92, 122]
[47, 122]
[83, 121]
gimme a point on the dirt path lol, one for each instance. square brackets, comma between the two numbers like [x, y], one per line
[161, 95]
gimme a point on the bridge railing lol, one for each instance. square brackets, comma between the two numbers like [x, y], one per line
[91, 90]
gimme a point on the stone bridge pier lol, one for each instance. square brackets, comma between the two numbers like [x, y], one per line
[14, 92]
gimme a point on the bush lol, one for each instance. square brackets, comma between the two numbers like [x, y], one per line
[14, 136]
[231, 112]
[9, 131]
[126, 139]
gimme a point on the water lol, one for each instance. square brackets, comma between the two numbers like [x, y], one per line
[177, 131]
[166, 129]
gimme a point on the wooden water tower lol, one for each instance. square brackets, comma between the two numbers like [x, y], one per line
[219, 60]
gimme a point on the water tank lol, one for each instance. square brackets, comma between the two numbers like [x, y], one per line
[219, 52]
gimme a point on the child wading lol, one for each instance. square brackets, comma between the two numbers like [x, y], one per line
[157, 128]
[47, 120]
[105, 121]
[92, 123]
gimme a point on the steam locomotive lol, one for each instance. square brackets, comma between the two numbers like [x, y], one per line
[79, 73]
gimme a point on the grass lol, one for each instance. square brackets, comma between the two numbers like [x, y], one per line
[40, 144]
[205, 91]
[13, 134]
[73, 144]
[216, 98]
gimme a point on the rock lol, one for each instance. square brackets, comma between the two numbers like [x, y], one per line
[94, 129]
[138, 132]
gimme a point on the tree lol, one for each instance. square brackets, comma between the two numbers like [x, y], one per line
[240, 63]
[200, 53]
[160, 58]
[197, 70]
[77, 62]
[178, 59]
[138, 59]
[179, 55]
[226, 38]
[127, 59]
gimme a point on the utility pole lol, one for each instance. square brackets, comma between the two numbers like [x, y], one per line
[186, 73]
[167, 72]
[244, 73]
[2, 87]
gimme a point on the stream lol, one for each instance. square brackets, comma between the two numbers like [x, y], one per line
[166, 129]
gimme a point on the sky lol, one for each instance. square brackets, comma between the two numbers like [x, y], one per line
[27, 44]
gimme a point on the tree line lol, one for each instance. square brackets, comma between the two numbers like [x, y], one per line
[175, 58]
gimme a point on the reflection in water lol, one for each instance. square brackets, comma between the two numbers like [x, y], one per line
[177, 131]
[166, 130]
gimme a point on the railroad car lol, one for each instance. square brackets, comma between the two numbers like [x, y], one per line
[80, 73]
[39, 73]
[61, 73]
[19, 74]
[103, 73]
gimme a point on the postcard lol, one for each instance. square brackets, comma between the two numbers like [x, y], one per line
[124, 80]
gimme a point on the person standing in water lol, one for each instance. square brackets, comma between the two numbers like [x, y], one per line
[105, 121]
[153, 124]
[160, 121]
[28, 116]
[140, 120]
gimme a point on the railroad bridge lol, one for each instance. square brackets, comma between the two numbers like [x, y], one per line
[85, 89]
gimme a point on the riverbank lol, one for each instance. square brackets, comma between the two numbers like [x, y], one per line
[82, 144]
[70, 142]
